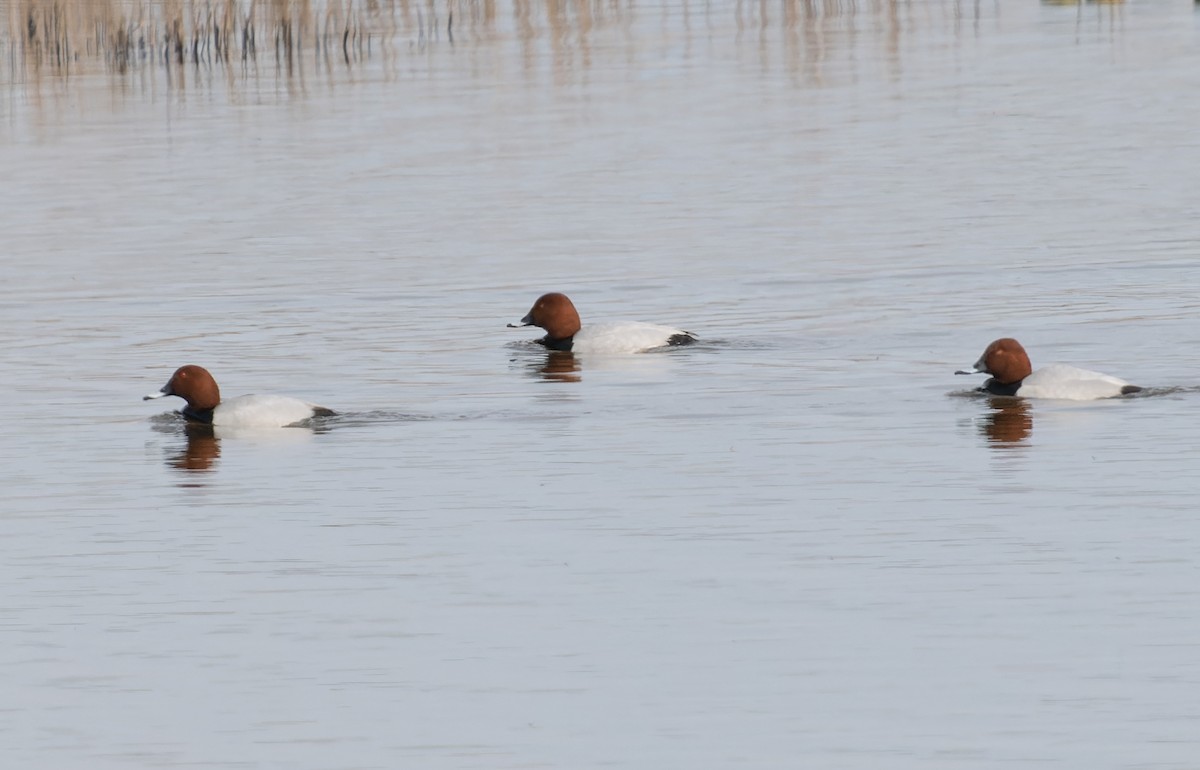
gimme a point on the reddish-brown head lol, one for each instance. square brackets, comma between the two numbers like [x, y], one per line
[194, 385]
[1006, 361]
[554, 313]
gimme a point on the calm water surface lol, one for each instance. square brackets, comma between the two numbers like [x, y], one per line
[795, 545]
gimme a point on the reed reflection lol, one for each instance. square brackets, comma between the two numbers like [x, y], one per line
[64, 36]
[1009, 423]
[819, 42]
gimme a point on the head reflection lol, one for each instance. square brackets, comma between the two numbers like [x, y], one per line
[1009, 423]
[201, 451]
[558, 366]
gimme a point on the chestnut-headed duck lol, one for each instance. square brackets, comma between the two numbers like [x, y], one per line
[1013, 375]
[204, 405]
[556, 314]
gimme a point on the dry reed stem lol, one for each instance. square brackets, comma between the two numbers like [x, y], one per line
[59, 36]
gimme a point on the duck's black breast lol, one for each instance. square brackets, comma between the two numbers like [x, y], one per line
[562, 344]
[202, 416]
[999, 388]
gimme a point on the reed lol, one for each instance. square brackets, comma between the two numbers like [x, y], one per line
[66, 36]
[62, 37]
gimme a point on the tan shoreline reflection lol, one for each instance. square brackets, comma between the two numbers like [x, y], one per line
[1009, 423]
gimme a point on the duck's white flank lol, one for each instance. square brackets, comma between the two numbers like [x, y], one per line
[622, 337]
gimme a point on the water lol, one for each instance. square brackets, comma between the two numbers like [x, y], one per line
[797, 544]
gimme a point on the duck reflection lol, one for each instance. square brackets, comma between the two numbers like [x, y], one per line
[201, 451]
[1009, 423]
[558, 366]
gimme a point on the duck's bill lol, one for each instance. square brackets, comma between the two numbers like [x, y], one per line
[156, 394]
[972, 370]
[526, 321]
[516, 326]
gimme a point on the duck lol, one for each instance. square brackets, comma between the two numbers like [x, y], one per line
[555, 313]
[1012, 375]
[195, 385]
